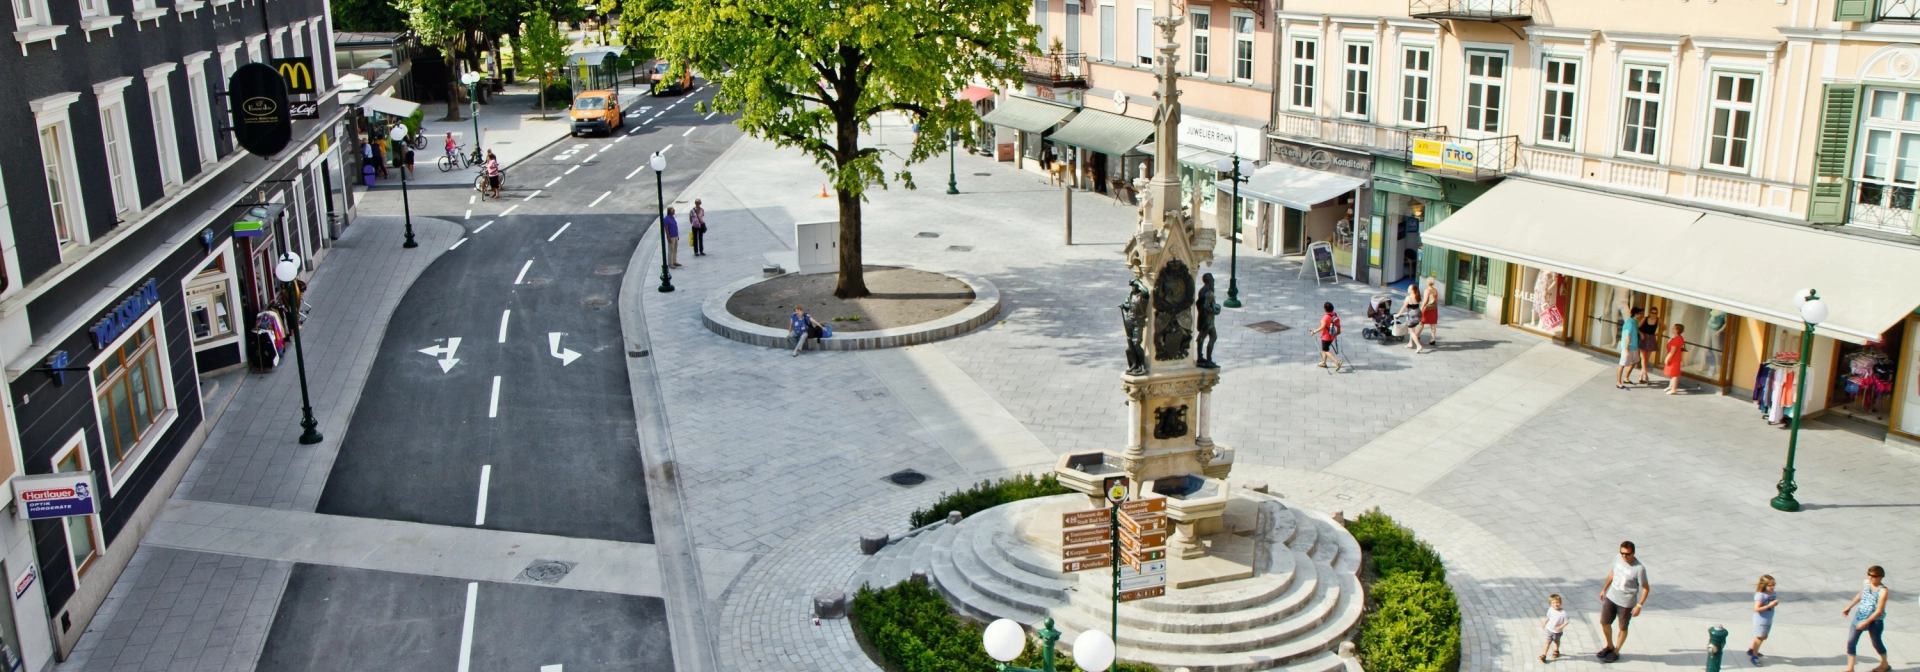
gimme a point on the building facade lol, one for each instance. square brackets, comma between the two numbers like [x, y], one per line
[138, 247]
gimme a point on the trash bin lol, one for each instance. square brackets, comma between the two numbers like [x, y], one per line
[367, 172]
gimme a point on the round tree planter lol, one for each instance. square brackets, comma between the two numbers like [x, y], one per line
[985, 307]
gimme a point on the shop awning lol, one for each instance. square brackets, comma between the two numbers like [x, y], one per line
[974, 94]
[390, 106]
[1197, 156]
[1104, 132]
[1744, 266]
[1293, 186]
[1027, 114]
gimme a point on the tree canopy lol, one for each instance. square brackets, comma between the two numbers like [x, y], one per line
[810, 74]
[546, 50]
[447, 25]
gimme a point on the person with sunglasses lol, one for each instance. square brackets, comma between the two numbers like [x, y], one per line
[1625, 593]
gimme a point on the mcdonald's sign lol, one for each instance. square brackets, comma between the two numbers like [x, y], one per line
[298, 72]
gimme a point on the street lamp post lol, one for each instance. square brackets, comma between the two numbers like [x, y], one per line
[1004, 640]
[952, 186]
[1812, 312]
[472, 80]
[285, 272]
[659, 165]
[1232, 165]
[399, 135]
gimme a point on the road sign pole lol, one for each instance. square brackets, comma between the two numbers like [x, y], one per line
[1114, 520]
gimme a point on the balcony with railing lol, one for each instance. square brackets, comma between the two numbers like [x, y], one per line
[1362, 136]
[1727, 190]
[1473, 10]
[1476, 159]
[1060, 70]
[1897, 10]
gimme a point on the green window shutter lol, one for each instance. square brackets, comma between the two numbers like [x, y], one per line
[1853, 10]
[1834, 155]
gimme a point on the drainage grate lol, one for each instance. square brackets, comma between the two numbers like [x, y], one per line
[549, 572]
[596, 303]
[927, 234]
[1268, 327]
[959, 248]
[906, 478]
[609, 270]
[983, 174]
[637, 353]
[866, 395]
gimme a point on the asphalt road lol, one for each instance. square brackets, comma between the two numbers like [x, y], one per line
[527, 425]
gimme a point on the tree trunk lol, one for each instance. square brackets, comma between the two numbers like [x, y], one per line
[853, 279]
[453, 86]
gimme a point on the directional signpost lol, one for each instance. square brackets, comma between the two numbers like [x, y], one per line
[1143, 549]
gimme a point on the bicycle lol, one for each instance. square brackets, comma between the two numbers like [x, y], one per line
[480, 182]
[418, 141]
[448, 162]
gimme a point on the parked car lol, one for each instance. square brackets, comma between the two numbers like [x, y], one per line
[664, 86]
[596, 111]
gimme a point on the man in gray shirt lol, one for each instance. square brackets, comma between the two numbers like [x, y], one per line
[1621, 597]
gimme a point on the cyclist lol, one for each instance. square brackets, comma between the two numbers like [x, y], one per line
[453, 150]
[493, 175]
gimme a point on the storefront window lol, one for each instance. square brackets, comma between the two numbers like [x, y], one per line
[83, 543]
[1607, 309]
[1706, 334]
[1539, 302]
[130, 391]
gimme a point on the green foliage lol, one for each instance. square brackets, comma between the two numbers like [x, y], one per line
[1414, 624]
[810, 75]
[912, 630]
[370, 16]
[446, 25]
[413, 121]
[989, 494]
[544, 49]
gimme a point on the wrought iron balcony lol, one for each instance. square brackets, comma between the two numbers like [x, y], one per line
[1897, 10]
[1358, 135]
[1471, 10]
[1476, 159]
[1057, 70]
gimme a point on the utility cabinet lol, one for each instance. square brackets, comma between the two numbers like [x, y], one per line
[818, 244]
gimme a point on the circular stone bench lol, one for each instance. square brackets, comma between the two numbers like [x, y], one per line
[985, 307]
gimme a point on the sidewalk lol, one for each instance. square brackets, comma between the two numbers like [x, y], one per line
[511, 125]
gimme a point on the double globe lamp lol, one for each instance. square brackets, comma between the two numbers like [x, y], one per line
[285, 272]
[1813, 311]
[1004, 640]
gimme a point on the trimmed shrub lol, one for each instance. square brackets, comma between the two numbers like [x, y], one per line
[1413, 620]
[911, 629]
[988, 494]
[1394, 549]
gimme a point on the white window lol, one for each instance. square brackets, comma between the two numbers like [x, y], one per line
[253, 48]
[1889, 166]
[1242, 48]
[27, 13]
[64, 208]
[1108, 50]
[92, 8]
[1416, 80]
[1073, 27]
[1560, 83]
[133, 395]
[1143, 34]
[1040, 20]
[1202, 41]
[295, 44]
[1486, 90]
[142, 5]
[203, 123]
[1731, 129]
[82, 532]
[113, 126]
[165, 133]
[1640, 109]
[1304, 57]
[1357, 81]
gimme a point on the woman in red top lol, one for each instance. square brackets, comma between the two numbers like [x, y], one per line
[1329, 329]
[1675, 346]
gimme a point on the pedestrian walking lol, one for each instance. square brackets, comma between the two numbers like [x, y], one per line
[380, 156]
[1675, 346]
[672, 228]
[1555, 623]
[409, 168]
[1430, 312]
[1629, 349]
[1764, 602]
[1328, 330]
[1869, 610]
[697, 219]
[1410, 314]
[493, 175]
[1649, 342]
[1622, 596]
[800, 327]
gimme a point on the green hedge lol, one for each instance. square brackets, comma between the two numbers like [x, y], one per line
[988, 494]
[911, 629]
[1414, 619]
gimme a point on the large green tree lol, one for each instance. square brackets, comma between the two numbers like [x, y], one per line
[545, 49]
[368, 16]
[810, 74]
[451, 26]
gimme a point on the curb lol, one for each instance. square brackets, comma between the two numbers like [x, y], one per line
[985, 307]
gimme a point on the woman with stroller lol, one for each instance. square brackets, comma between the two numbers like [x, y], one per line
[1410, 311]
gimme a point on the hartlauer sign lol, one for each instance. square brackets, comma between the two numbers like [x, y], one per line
[55, 495]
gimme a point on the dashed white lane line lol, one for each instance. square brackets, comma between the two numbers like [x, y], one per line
[689, 132]
[483, 227]
[457, 243]
[523, 272]
[466, 628]
[529, 197]
[563, 227]
[601, 198]
[471, 199]
[510, 210]
[570, 170]
[552, 181]
[636, 129]
[636, 171]
[493, 402]
[469, 214]
[709, 115]
[480, 511]
[504, 316]
[590, 158]
[663, 150]
[618, 139]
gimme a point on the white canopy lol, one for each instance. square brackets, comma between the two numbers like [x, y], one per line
[390, 106]
[1292, 186]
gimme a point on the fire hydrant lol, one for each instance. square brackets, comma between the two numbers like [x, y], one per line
[1716, 645]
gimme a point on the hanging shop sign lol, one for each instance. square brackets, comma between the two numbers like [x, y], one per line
[109, 328]
[297, 72]
[1205, 134]
[20, 585]
[305, 109]
[1441, 155]
[1323, 159]
[257, 96]
[44, 496]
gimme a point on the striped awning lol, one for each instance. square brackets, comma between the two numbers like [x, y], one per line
[1028, 114]
[1104, 132]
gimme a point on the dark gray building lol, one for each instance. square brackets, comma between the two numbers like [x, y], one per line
[124, 282]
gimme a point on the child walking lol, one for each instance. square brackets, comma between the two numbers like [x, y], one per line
[1764, 600]
[1555, 624]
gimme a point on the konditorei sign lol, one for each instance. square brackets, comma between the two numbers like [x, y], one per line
[109, 328]
[257, 97]
[44, 496]
[1323, 159]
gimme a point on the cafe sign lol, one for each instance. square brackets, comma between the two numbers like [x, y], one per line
[1323, 159]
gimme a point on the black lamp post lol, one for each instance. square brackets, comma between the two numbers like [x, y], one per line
[1232, 165]
[659, 165]
[1812, 312]
[1004, 640]
[285, 272]
[399, 135]
[952, 186]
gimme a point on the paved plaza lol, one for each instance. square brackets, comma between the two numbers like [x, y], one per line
[1515, 457]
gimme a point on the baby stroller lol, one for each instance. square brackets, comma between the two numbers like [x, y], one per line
[1387, 327]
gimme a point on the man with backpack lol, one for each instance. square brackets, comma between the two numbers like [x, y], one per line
[1329, 330]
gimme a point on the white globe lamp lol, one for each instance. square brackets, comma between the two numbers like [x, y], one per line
[1004, 639]
[1093, 651]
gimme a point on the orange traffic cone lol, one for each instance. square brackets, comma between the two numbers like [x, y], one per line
[823, 191]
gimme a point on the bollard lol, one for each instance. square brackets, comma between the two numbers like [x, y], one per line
[1716, 645]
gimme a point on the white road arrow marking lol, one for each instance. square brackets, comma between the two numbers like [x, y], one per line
[553, 348]
[445, 353]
